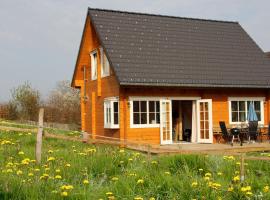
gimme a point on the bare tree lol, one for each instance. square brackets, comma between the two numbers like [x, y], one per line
[63, 104]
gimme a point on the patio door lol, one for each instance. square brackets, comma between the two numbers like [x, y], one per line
[165, 122]
[204, 121]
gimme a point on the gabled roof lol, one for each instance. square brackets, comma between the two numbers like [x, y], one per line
[156, 50]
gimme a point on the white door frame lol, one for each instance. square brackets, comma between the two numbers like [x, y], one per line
[210, 139]
[164, 122]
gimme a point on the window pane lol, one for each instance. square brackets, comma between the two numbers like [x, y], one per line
[242, 116]
[115, 118]
[157, 106]
[258, 113]
[136, 106]
[158, 117]
[234, 105]
[241, 106]
[143, 106]
[152, 119]
[151, 106]
[115, 107]
[234, 116]
[143, 118]
[257, 105]
[136, 118]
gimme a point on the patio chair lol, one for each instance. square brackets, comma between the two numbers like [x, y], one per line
[224, 131]
[253, 130]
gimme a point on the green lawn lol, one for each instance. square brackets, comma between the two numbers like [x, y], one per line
[74, 170]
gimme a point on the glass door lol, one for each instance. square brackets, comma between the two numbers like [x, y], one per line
[204, 121]
[165, 122]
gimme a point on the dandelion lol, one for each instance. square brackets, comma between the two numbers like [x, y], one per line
[58, 177]
[50, 151]
[138, 198]
[36, 169]
[121, 151]
[208, 174]
[207, 178]
[114, 178]
[152, 198]
[154, 162]
[266, 189]
[9, 171]
[85, 182]
[219, 173]
[57, 170]
[21, 153]
[67, 187]
[19, 172]
[200, 170]
[30, 174]
[236, 178]
[130, 159]
[109, 193]
[121, 162]
[64, 194]
[238, 163]
[167, 173]
[68, 165]
[194, 184]
[47, 169]
[50, 159]
[140, 181]
[230, 189]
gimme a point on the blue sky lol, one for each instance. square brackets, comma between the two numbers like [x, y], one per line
[39, 39]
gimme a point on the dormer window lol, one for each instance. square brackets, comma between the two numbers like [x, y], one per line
[105, 65]
[93, 55]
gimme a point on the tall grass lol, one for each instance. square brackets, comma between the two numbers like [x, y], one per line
[115, 173]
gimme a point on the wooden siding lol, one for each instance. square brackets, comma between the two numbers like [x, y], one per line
[96, 90]
[220, 106]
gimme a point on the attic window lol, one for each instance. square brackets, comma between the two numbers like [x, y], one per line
[93, 55]
[105, 65]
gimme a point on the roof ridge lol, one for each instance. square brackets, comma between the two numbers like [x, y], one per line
[159, 15]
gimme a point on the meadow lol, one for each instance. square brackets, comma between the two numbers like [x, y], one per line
[75, 170]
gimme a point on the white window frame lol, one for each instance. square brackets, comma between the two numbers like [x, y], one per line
[105, 65]
[109, 103]
[94, 66]
[147, 125]
[246, 99]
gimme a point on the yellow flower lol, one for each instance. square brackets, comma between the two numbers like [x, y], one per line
[50, 151]
[220, 173]
[21, 153]
[200, 170]
[114, 178]
[67, 187]
[266, 189]
[130, 159]
[230, 189]
[208, 174]
[64, 194]
[25, 161]
[140, 181]
[51, 159]
[47, 169]
[37, 169]
[152, 198]
[138, 198]
[236, 178]
[57, 170]
[58, 177]
[19, 172]
[30, 174]
[85, 182]
[194, 184]
[238, 163]
[167, 173]
[207, 178]
[249, 193]
[9, 171]
[154, 162]
[121, 162]
[68, 165]
[109, 193]
[121, 151]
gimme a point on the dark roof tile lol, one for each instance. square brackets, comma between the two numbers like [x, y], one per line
[147, 49]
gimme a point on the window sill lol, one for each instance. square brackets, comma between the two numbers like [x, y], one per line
[144, 125]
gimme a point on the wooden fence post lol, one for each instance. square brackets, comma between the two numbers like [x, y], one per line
[242, 168]
[39, 135]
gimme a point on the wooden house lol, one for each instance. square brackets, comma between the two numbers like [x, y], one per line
[165, 79]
